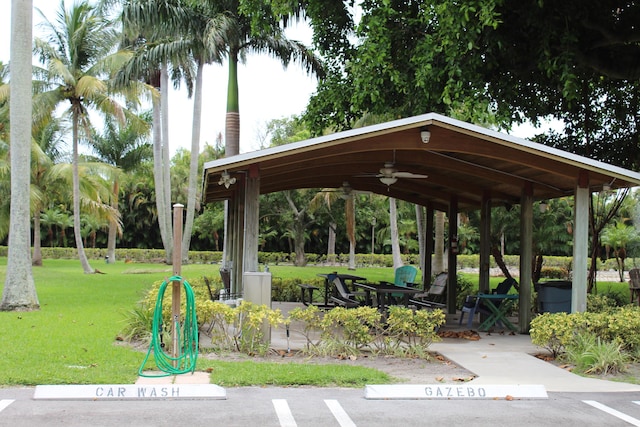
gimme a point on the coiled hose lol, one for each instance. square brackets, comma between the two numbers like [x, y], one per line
[188, 353]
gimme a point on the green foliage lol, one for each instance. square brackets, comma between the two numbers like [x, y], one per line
[556, 331]
[554, 273]
[257, 373]
[600, 303]
[593, 355]
[341, 331]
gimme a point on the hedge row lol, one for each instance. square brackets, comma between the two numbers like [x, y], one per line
[275, 258]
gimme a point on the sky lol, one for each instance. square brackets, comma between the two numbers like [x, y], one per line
[267, 91]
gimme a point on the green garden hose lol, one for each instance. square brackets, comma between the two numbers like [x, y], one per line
[188, 352]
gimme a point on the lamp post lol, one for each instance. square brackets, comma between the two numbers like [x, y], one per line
[373, 235]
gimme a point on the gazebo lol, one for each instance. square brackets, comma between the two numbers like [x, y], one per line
[431, 160]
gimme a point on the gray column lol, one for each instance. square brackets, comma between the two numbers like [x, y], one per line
[452, 256]
[251, 216]
[428, 248]
[526, 255]
[485, 243]
[580, 244]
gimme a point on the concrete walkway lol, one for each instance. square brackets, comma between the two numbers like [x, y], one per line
[508, 359]
[496, 359]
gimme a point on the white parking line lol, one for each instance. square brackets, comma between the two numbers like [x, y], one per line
[637, 402]
[284, 413]
[5, 402]
[339, 413]
[611, 411]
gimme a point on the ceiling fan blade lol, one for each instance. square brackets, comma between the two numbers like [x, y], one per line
[409, 175]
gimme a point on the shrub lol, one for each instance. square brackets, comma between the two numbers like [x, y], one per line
[593, 355]
[600, 303]
[345, 332]
[553, 331]
[554, 273]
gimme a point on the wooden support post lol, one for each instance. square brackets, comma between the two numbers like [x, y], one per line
[177, 284]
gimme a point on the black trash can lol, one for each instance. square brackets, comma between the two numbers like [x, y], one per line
[554, 296]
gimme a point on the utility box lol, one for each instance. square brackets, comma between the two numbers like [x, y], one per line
[554, 296]
[257, 290]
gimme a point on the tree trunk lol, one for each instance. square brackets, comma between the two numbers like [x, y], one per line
[37, 241]
[395, 237]
[301, 257]
[113, 225]
[158, 176]
[166, 162]
[232, 125]
[77, 227]
[194, 182]
[331, 245]
[438, 249]
[19, 293]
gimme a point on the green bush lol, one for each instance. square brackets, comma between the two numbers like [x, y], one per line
[346, 332]
[555, 331]
[554, 273]
[593, 355]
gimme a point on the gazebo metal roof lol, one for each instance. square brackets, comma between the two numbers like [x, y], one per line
[460, 159]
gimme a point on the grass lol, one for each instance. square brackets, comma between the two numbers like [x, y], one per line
[72, 338]
[235, 374]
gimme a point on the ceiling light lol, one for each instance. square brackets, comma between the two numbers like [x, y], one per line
[425, 135]
[388, 180]
[543, 206]
[226, 180]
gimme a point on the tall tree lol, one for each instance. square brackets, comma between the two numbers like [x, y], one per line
[124, 147]
[155, 29]
[19, 291]
[79, 55]
[207, 42]
[256, 27]
[45, 181]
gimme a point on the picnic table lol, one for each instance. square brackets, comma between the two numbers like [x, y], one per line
[498, 313]
[384, 292]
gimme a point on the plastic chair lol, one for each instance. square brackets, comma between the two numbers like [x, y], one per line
[404, 276]
[469, 306]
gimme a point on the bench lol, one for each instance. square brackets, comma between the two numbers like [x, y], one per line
[307, 288]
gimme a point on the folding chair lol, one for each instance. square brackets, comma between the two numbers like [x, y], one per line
[434, 296]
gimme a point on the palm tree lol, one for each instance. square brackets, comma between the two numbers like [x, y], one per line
[19, 291]
[125, 148]
[155, 29]
[51, 218]
[254, 31]
[206, 34]
[80, 60]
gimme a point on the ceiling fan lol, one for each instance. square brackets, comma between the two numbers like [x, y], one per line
[346, 190]
[389, 174]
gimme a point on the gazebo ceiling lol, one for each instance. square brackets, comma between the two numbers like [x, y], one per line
[462, 162]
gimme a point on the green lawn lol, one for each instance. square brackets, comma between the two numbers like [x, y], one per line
[72, 338]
